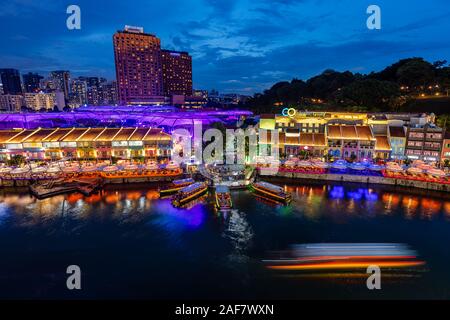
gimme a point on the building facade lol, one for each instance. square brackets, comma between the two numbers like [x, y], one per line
[10, 78]
[61, 81]
[424, 142]
[138, 66]
[177, 73]
[397, 140]
[445, 155]
[11, 103]
[32, 82]
[78, 94]
[86, 143]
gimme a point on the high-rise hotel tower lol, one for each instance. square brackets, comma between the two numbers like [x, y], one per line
[138, 66]
[177, 73]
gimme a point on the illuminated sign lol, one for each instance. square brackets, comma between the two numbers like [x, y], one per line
[289, 112]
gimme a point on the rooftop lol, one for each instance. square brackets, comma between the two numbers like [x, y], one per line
[82, 134]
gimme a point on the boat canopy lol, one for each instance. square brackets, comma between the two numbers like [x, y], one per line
[269, 186]
[192, 187]
[183, 181]
[222, 189]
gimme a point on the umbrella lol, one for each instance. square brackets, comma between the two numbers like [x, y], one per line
[172, 165]
[53, 170]
[110, 169]
[376, 167]
[89, 168]
[152, 166]
[39, 170]
[415, 170]
[322, 165]
[5, 170]
[71, 169]
[436, 172]
[20, 171]
[304, 163]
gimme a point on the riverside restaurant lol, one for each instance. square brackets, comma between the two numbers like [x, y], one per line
[417, 171]
[85, 143]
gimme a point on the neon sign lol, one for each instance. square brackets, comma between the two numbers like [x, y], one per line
[289, 112]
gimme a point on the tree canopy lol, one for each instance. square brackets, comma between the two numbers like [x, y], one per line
[386, 90]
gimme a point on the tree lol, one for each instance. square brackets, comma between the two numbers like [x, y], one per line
[416, 73]
[16, 160]
[443, 121]
[446, 163]
[369, 93]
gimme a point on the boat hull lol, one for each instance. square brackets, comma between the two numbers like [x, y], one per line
[270, 195]
[183, 201]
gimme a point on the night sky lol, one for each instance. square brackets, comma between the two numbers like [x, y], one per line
[237, 46]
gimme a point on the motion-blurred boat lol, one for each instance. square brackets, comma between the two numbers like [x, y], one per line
[346, 256]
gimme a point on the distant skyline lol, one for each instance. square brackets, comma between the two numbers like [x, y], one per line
[240, 46]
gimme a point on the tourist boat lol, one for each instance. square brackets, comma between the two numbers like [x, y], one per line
[175, 186]
[223, 198]
[271, 191]
[189, 193]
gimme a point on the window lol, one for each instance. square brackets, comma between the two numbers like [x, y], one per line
[119, 144]
[68, 144]
[135, 143]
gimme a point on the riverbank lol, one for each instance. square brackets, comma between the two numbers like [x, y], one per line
[106, 180]
[377, 180]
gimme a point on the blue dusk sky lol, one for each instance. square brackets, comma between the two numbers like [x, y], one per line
[240, 46]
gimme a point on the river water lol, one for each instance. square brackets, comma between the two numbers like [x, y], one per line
[130, 244]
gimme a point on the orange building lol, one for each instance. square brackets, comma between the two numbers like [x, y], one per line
[138, 66]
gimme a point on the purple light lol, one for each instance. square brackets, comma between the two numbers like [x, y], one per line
[161, 116]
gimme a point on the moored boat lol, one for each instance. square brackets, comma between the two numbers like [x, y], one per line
[189, 193]
[223, 198]
[271, 191]
[175, 186]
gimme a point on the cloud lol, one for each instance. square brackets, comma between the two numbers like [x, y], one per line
[240, 45]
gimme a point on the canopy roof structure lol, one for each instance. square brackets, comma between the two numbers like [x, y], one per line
[168, 118]
[82, 135]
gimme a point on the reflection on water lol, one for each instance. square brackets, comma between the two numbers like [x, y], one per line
[190, 252]
[314, 201]
[238, 231]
